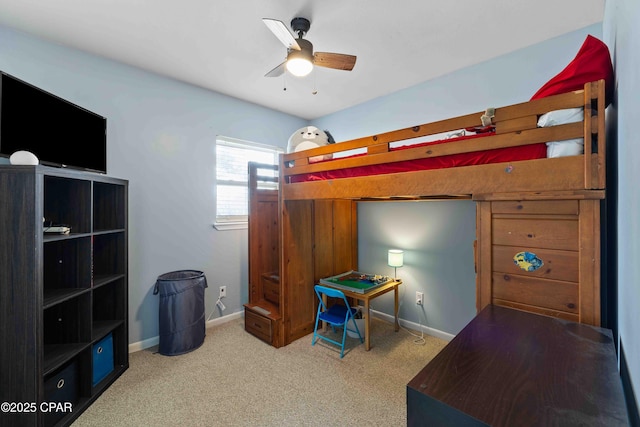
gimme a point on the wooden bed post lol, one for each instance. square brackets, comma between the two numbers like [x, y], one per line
[594, 124]
[600, 127]
[589, 229]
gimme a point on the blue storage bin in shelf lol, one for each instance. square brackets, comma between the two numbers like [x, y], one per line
[102, 359]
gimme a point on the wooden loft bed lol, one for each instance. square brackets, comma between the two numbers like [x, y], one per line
[515, 125]
[547, 208]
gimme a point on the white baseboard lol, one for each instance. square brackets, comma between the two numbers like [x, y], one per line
[225, 319]
[414, 326]
[150, 342]
[141, 345]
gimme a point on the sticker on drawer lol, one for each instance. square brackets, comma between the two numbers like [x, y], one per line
[527, 261]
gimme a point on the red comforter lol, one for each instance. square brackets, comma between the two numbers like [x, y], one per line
[525, 152]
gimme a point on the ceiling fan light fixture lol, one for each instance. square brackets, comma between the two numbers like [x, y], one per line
[300, 62]
[300, 57]
[299, 67]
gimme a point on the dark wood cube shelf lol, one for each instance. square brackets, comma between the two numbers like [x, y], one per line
[60, 293]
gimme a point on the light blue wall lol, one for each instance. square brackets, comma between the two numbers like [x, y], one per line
[161, 136]
[441, 263]
[622, 35]
[437, 239]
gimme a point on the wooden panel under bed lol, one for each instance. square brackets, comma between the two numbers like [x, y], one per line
[539, 254]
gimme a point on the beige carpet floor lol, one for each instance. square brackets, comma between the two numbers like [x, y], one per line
[234, 379]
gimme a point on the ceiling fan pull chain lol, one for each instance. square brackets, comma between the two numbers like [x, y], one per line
[315, 81]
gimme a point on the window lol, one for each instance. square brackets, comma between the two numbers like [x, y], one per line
[232, 158]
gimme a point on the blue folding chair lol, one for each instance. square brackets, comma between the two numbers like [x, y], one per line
[336, 315]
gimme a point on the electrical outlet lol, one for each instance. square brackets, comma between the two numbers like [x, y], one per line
[419, 298]
[223, 291]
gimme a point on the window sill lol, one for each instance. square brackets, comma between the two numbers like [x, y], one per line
[230, 225]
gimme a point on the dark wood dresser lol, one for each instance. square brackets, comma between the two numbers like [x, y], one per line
[512, 368]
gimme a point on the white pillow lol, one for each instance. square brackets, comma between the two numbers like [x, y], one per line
[568, 147]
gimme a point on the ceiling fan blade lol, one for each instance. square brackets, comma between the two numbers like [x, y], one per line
[278, 71]
[336, 61]
[281, 32]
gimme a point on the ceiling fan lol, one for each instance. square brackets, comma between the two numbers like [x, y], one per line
[300, 56]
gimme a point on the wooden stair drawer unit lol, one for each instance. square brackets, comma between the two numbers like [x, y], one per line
[258, 325]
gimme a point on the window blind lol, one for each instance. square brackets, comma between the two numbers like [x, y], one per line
[232, 158]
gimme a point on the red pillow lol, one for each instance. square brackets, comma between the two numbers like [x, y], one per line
[593, 62]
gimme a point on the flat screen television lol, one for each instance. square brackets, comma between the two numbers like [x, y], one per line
[57, 131]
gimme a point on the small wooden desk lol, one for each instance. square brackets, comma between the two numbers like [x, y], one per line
[366, 298]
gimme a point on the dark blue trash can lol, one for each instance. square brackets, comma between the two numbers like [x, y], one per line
[182, 316]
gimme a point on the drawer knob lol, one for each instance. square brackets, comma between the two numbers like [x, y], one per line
[60, 383]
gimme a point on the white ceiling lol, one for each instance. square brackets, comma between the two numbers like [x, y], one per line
[223, 45]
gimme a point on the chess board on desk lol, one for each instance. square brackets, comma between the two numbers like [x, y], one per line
[356, 281]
